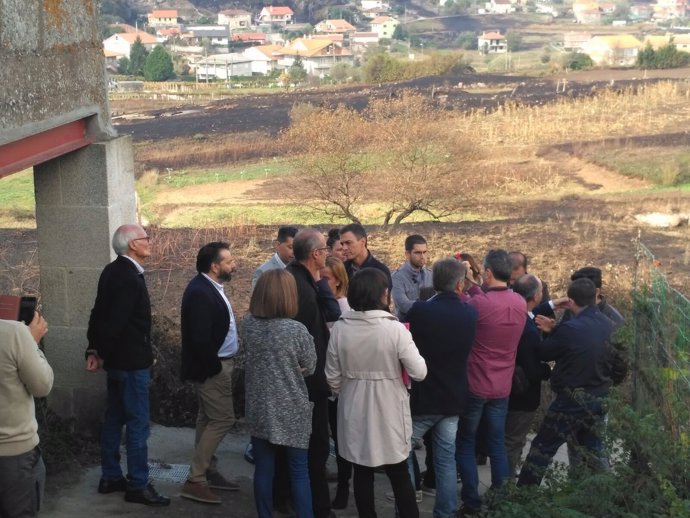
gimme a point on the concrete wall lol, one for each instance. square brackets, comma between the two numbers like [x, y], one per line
[53, 73]
[53, 68]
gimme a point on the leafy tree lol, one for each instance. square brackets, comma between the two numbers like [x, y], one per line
[647, 57]
[467, 41]
[137, 58]
[123, 65]
[577, 61]
[297, 72]
[667, 56]
[381, 67]
[514, 41]
[341, 71]
[159, 65]
[340, 13]
[205, 20]
[400, 33]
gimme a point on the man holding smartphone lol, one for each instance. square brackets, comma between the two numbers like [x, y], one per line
[24, 374]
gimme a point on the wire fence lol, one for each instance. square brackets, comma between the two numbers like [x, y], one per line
[661, 371]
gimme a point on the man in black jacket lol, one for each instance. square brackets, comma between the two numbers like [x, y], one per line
[443, 329]
[209, 345]
[581, 380]
[355, 243]
[315, 309]
[525, 395]
[119, 337]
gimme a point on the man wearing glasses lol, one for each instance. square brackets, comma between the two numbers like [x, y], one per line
[119, 336]
[316, 307]
[412, 276]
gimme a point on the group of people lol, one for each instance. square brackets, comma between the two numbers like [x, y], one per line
[459, 364]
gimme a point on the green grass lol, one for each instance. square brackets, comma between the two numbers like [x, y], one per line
[17, 202]
[257, 171]
[647, 163]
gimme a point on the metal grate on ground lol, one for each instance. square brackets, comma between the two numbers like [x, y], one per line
[163, 471]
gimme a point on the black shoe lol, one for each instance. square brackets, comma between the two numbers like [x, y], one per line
[106, 486]
[341, 496]
[146, 496]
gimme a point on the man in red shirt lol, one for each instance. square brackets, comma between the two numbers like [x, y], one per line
[502, 315]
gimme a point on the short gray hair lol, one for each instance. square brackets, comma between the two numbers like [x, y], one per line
[448, 273]
[528, 286]
[304, 242]
[123, 235]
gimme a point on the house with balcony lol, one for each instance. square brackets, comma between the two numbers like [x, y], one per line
[318, 56]
[235, 19]
[492, 42]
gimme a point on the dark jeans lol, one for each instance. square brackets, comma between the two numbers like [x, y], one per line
[494, 412]
[127, 405]
[344, 466]
[22, 479]
[576, 419]
[399, 477]
[319, 448]
[264, 458]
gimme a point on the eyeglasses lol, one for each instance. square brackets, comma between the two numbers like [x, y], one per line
[321, 249]
[148, 238]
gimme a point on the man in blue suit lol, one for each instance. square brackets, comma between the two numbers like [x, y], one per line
[581, 380]
[443, 329]
[209, 345]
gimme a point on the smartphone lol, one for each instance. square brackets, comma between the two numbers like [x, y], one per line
[27, 309]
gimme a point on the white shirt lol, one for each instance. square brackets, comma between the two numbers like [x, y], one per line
[229, 347]
[140, 268]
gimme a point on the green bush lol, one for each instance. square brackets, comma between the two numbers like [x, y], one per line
[667, 56]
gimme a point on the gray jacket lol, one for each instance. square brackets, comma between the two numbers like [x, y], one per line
[279, 354]
[406, 285]
[273, 263]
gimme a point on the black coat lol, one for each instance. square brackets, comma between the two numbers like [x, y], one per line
[205, 324]
[311, 313]
[369, 262]
[443, 329]
[120, 322]
[535, 370]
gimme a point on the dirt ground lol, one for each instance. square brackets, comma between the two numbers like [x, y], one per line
[270, 112]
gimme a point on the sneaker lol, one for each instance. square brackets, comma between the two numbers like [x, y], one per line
[199, 492]
[219, 482]
[429, 491]
[391, 497]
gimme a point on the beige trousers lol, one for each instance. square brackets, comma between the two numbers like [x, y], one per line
[215, 418]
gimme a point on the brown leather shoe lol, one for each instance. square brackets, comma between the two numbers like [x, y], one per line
[199, 492]
[219, 482]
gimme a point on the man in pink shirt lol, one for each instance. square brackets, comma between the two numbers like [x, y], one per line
[490, 366]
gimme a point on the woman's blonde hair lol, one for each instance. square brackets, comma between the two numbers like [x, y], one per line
[275, 295]
[340, 274]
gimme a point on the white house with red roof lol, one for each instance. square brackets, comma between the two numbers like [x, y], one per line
[264, 58]
[384, 26]
[281, 15]
[492, 42]
[160, 18]
[121, 43]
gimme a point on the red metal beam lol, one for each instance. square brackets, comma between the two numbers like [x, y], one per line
[35, 149]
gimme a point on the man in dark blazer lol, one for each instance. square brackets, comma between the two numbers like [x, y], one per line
[119, 335]
[443, 329]
[581, 380]
[315, 309]
[209, 345]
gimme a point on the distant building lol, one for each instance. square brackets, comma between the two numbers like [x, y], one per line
[235, 18]
[618, 50]
[121, 43]
[338, 26]
[670, 9]
[681, 41]
[492, 43]
[264, 58]
[641, 12]
[163, 18]
[249, 37]
[500, 7]
[384, 26]
[586, 12]
[111, 59]
[573, 41]
[318, 56]
[223, 67]
[381, 5]
[216, 34]
[281, 15]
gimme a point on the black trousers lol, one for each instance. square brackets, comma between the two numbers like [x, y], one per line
[402, 489]
[318, 456]
[344, 466]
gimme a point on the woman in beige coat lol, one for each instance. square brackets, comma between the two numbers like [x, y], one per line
[366, 353]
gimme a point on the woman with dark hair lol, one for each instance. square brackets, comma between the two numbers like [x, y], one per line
[333, 242]
[280, 352]
[366, 353]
